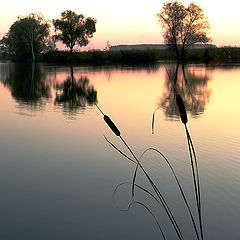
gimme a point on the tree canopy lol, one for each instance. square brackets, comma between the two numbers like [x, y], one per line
[73, 29]
[183, 26]
[26, 37]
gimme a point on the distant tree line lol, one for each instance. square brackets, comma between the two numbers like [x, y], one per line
[31, 36]
[142, 57]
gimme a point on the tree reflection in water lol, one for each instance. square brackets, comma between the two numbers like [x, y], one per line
[27, 85]
[191, 84]
[73, 95]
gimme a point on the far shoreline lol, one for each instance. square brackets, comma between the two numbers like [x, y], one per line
[135, 54]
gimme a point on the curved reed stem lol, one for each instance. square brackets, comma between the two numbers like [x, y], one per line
[179, 186]
[137, 202]
[196, 179]
[156, 190]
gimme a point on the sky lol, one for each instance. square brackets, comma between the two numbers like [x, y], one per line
[128, 21]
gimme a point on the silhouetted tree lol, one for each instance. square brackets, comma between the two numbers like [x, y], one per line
[73, 29]
[51, 44]
[26, 37]
[183, 26]
[5, 46]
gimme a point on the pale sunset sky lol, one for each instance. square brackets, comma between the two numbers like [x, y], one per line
[128, 21]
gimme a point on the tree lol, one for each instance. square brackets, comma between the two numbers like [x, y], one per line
[5, 46]
[26, 37]
[183, 26]
[73, 29]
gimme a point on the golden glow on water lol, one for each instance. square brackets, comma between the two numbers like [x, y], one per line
[225, 101]
[134, 94]
[55, 152]
[141, 95]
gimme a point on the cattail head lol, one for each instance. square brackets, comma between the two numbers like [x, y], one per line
[182, 109]
[111, 124]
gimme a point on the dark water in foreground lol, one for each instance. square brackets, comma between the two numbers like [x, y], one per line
[58, 173]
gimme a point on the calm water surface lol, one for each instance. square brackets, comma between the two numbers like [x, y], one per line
[58, 173]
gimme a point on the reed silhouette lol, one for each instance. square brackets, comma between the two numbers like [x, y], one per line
[173, 79]
[157, 195]
[155, 192]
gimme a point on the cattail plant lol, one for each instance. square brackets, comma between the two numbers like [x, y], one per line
[182, 109]
[193, 160]
[160, 198]
[156, 194]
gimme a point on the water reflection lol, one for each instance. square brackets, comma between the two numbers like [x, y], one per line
[191, 84]
[27, 84]
[32, 87]
[40, 169]
[73, 95]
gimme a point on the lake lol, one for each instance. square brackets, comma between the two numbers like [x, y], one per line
[61, 176]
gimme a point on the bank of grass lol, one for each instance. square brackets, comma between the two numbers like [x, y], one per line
[213, 54]
[103, 57]
[148, 56]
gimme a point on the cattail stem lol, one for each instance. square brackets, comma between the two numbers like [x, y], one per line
[194, 165]
[116, 131]
[179, 186]
[98, 108]
[156, 190]
[153, 119]
[129, 206]
[155, 219]
[196, 179]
